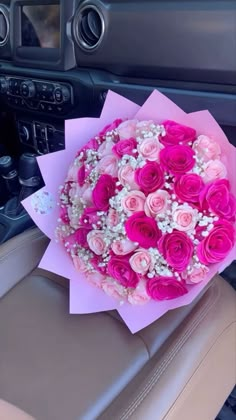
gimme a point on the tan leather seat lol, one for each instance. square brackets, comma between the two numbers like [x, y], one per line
[65, 367]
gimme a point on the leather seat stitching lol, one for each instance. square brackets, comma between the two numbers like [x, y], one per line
[172, 353]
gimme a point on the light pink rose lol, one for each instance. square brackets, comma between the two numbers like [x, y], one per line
[86, 195]
[126, 175]
[150, 148]
[72, 175]
[185, 218]
[133, 202]
[113, 289]
[106, 148]
[95, 279]
[139, 295]
[80, 264]
[74, 218]
[108, 165]
[214, 169]
[123, 247]
[196, 275]
[207, 148]
[143, 127]
[96, 242]
[112, 218]
[141, 261]
[127, 129]
[156, 203]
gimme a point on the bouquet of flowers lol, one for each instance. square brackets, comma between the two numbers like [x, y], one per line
[146, 208]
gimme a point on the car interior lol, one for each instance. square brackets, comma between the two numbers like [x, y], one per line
[58, 59]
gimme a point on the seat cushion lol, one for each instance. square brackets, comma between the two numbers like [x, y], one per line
[52, 364]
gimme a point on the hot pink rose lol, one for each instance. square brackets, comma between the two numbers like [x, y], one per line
[81, 176]
[165, 288]
[113, 289]
[141, 261]
[150, 149]
[185, 218]
[139, 295]
[79, 264]
[92, 144]
[96, 242]
[217, 198]
[89, 217]
[156, 203]
[125, 147]
[143, 230]
[112, 218]
[177, 249]
[214, 169]
[123, 247]
[217, 245]
[196, 275]
[188, 188]
[150, 177]
[105, 148]
[110, 127]
[103, 191]
[108, 165]
[120, 270]
[98, 264]
[81, 236]
[133, 202]
[207, 148]
[127, 129]
[126, 176]
[177, 159]
[177, 133]
[64, 215]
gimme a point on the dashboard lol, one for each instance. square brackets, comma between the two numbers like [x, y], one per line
[58, 58]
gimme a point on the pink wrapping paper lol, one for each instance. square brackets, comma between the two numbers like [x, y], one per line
[85, 298]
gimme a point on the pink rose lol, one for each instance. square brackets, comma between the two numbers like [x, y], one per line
[96, 241]
[92, 144]
[95, 279]
[73, 218]
[165, 288]
[110, 127]
[112, 218]
[103, 191]
[133, 202]
[156, 203]
[81, 176]
[177, 159]
[127, 129]
[89, 217]
[185, 218]
[214, 169]
[177, 249]
[123, 247]
[97, 262]
[177, 133]
[120, 270]
[207, 148]
[217, 198]
[141, 261]
[144, 127]
[106, 148]
[79, 264]
[108, 165]
[125, 147]
[113, 289]
[72, 175]
[139, 295]
[126, 175]
[217, 245]
[150, 149]
[150, 177]
[196, 275]
[87, 195]
[188, 188]
[143, 230]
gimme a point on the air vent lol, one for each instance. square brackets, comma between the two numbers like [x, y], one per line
[89, 27]
[4, 26]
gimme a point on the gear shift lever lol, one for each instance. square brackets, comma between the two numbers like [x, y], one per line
[13, 217]
[9, 173]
